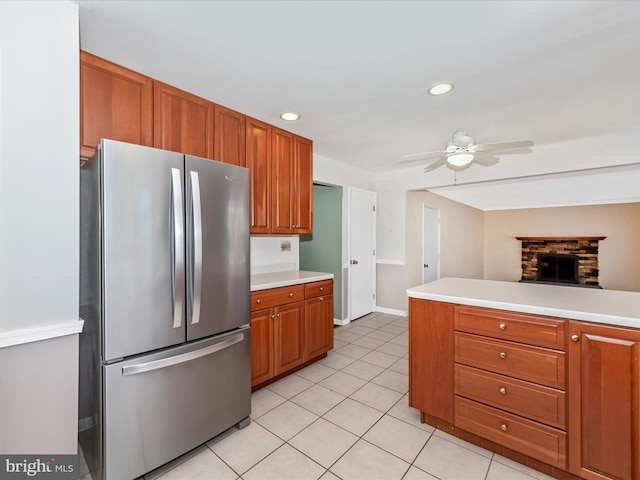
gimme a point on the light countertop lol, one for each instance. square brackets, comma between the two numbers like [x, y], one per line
[613, 307]
[262, 281]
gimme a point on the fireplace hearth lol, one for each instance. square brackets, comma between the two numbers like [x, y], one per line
[561, 260]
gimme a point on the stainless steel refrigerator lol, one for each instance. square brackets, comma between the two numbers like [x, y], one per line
[164, 293]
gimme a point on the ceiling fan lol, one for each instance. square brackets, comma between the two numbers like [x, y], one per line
[462, 150]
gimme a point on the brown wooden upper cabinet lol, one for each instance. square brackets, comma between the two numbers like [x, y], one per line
[115, 103]
[182, 122]
[303, 181]
[229, 143]
[292, 184]
[281, 180]
[120, 104]
[258, 155]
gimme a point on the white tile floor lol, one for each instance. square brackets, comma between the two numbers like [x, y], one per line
[344, 417]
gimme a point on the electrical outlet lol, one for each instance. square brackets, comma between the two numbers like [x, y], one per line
[285, 246]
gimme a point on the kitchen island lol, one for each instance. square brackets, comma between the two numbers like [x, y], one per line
[291, 322]
[546, 375]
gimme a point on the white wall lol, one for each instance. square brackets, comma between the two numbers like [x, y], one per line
[39, 163]
[267, 254]
[618, 254]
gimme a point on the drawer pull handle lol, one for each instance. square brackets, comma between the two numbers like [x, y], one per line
[291, 295]
[503, 427]
[502, 326]
[503, 390]
[575, 338]
[321, 289]
[259, 300]
[503, 355]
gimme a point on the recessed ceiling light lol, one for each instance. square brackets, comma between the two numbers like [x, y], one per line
[440, 89]
[290, 116]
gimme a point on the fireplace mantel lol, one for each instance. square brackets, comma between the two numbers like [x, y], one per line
[557, 239]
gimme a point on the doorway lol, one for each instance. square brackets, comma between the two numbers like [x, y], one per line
[361, 252]
[430, 244]
[322, 251]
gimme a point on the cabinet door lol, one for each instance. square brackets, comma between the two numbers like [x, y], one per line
[182, 122]
[229, 143]
[282, 182]
[431, 351]
[303, 198]
[319, 325]
[604, 402]
[115, 103]
[258, 157]
[289, 336]
[262, 352]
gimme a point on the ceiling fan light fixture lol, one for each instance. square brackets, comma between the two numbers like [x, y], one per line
[441, 88]
[460, 159]
[290, 116]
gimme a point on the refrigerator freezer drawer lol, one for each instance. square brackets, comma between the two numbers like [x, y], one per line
[160, 406]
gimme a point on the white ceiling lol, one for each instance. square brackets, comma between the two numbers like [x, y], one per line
[555, 72]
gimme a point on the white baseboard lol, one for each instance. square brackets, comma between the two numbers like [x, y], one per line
[392, 311]
[341, 322]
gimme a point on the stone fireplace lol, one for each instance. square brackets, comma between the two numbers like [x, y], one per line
[561, 260]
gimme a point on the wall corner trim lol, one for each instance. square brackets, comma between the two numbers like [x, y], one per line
[46, 332]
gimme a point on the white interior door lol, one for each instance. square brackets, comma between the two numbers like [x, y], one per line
[362, 238]
[430, 244]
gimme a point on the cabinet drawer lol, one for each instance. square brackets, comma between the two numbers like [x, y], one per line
[531, 438]
[272, 297]
[543, 404]
[517, 327]
[535, 364]
[316, 289]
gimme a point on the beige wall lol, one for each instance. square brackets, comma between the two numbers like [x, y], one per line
[461, 238]
[619, 253]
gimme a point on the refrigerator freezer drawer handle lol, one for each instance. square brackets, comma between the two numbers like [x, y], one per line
[185, 357]
[178, 247]
[197, 247]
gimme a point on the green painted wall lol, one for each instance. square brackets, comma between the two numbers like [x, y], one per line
[322, 251]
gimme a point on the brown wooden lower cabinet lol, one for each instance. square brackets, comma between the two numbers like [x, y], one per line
[604, 401]
[290, 327]
[560, 396]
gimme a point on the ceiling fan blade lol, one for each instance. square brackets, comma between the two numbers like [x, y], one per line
[504, 145]
[485, 160]
[436, 164]
[421, 156]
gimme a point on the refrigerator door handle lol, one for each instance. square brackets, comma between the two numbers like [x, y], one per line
[177, 279]
[185, 357]
[197, 248]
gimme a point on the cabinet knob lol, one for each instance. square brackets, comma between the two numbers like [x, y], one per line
[259, 300]
[322, 299]
[503, 355]
[321, 288]
[503, 427]
[291, 295]
[502, 326]
[503, 390]
[278, 315]
[273, 317]
[575, 338]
